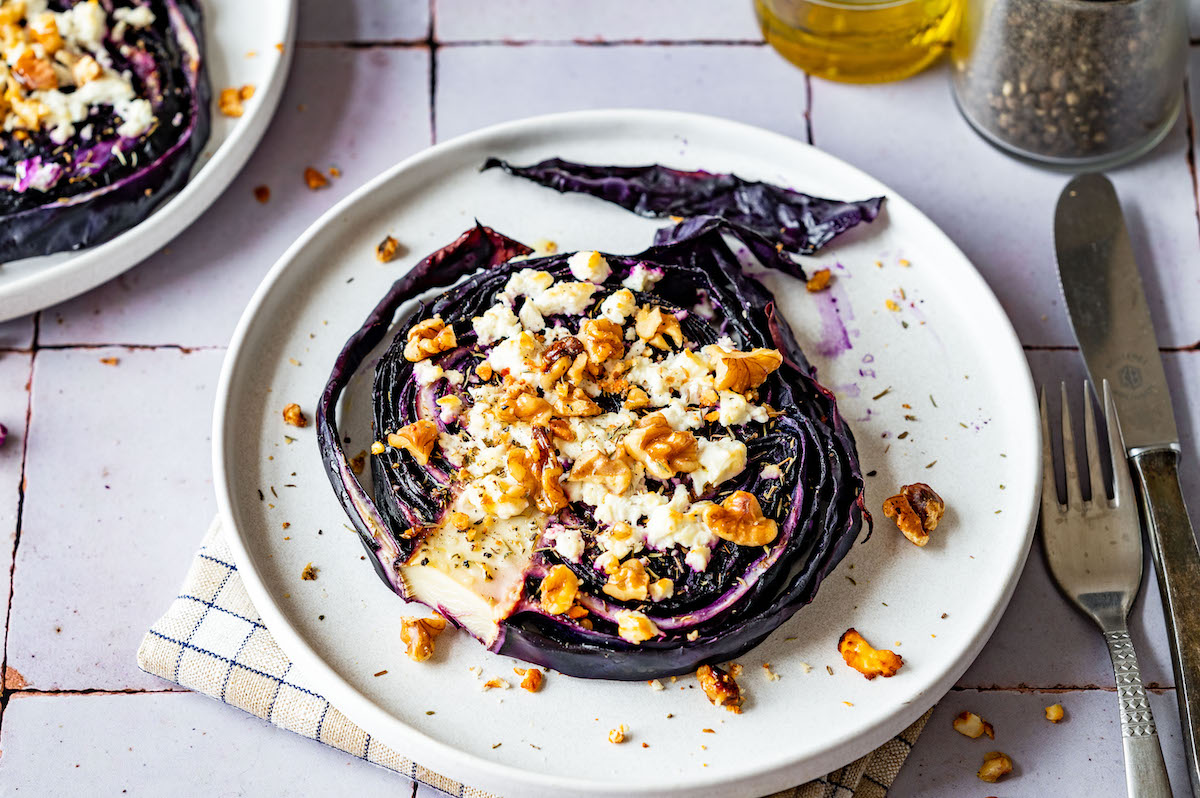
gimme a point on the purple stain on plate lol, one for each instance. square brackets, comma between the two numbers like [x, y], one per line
[3, 434]
[833, 308]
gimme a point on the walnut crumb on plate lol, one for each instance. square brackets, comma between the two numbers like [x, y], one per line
[971, 725]
[996, 765]
[1055, 713]
[309, 573]
[314, 179]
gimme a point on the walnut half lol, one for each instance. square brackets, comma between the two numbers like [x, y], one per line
[996, 765]
[418, 635]
[740, 519]
[721, 688]
[916, 509]
[868, 661]
[614, 474]
[629, 583]
[428, 338]
[559, 588]
[663, 451]
[741, 371]
[417, 438]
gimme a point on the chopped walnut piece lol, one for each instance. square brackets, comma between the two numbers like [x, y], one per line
[417, 438]
[483, 370]
[309, 573]
[229, 102]
[637, 399]
[559, 588]
[916, 509]
[617, 736]
[996, 765]
[531, 679]
[294, 416]
[85, 70]
[44, 28]
[539, 474]
[971, 725]
[378, 447]
[819, 281]
[246, 92]
[614, 474]
[314, 179]
[428, 337]
[629, 583]
[571, 401]
[262, 194]
[460, 521]
[602, 340]
[418, 634]
[635, 626]
[560, 357]
[521, 403]
[386, 250]
[560, 428]
[654, 326]
[663, 451]
[1055, 713]
[35, 73]
[662, 589]
[868, 661]
[740, 371]
[721, 688]
[740, 519]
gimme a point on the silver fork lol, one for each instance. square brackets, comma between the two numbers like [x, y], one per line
[1094, 549]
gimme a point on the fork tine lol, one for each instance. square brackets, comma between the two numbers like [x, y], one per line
[1074, 494]
[1049, 490]
[1122, 482]
[1092, 442]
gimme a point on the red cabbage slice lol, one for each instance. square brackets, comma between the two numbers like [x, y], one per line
[60, 196]
[772, 219]
[715, 614]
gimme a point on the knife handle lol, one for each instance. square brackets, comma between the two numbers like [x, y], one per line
[1177, 562]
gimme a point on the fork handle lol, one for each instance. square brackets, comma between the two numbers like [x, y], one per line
[1177, 563]
[1145, 770]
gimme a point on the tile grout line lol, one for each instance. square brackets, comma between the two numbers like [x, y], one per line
[1157, 689]
[85, 347]
[12, 569]
[434, 45]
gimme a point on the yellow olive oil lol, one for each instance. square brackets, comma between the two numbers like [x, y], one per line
[859, 41]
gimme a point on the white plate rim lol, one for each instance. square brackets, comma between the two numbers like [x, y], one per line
[490, 775]
[91, 266]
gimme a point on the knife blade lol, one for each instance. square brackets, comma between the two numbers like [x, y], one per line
[1107, 308]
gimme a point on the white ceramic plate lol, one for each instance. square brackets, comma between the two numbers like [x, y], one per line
[947, 357]
[232, 30]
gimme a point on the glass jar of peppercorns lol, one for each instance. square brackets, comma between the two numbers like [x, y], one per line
[1072, 83]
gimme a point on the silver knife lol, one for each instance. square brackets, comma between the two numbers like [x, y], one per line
[1108, 311]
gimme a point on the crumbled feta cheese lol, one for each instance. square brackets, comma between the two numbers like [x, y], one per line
[450, 407]
[642, 279]
[454, 377]
[719, 460]
[678, 523]
[772, 471]
[589, 266]
[530, 318]
[570, 299]
[497, 322]
[618, 306]
[136, 17]
[735, 410]
[569, 544]
[426, 373]
[680, 417]
[528, 282]
[512, 355]
[697, 558]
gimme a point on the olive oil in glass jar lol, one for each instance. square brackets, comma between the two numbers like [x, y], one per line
[859, 41]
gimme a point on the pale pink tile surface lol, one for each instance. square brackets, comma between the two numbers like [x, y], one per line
[363, 111]
[1000, 212]
[16, 333]
[118, 485]
[1079, 756]
[176, 744]
[118, 490]
[615, 20]
[750, 84]
[14, 403]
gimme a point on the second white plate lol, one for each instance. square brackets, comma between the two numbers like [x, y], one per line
[927, 370]
[244, 43]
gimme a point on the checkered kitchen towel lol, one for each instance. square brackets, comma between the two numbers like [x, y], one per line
[211, 640]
